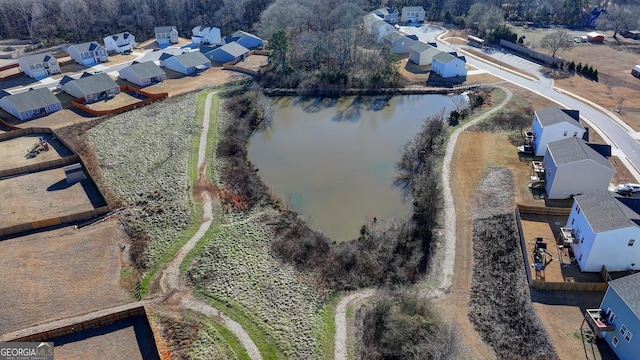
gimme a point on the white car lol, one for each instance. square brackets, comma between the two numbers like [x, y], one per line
[628, 189]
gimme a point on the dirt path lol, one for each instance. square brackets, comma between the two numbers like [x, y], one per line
[447, 279]
[170, 277]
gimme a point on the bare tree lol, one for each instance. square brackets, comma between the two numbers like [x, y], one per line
[30, 11]
[555, 41]
[619, 17]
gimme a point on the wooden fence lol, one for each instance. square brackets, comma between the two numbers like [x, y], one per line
[40, 166]
[83, 326]
[150, 98]
[529, 52]
[549, 285]
[45, 223]
[10, 66]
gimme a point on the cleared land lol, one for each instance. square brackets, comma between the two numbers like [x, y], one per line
[120, 100]
[129, 339]
[44, 195]
[13, 151]
[59, 273]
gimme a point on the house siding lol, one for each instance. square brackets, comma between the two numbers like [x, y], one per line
[8, 106]
[409, 15]
[555, 132]
[40, 70]
[611, 248]
[581, 177]
[584, 235]
[450, 69]
[626, 350]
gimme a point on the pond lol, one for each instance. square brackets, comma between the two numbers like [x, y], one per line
[334, 160]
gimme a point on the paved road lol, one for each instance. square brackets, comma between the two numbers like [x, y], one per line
[621, 137]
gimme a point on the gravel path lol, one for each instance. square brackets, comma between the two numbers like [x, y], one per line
[170, 278]
[442, 269]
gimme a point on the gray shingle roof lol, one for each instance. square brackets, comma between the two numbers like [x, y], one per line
[147, 69]
[628, 288]
[413, 8]
[396, 35]
[573, 149]
[37, 58]
[241, 33]
[95, 83]
[163, 29]
[191, 59]
[606, 212]
[84, 47]
[382, 12]
[420, 46]
[234, 49]
[444, 57]
[380, 23]
[554, 115]
[33, 99]
[125, 35]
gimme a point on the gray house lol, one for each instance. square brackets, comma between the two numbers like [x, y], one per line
[413, 14]
[143, 74]
[166, 35]
[187, 63]
[572, 167]
[30, 104]
[88, 54]
[39, 66]
[399, 43]
[422, 53]
[90, 87]
[229, 52]
[387, 14]
[245, 39]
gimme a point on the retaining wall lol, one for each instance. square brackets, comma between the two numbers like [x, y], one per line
[549, 285]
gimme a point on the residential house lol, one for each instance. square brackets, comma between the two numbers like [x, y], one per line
[620, 309]
[387, 14]
[39, 66]
[88, 54]
[380, 29]
[604, 230]
[90, 87]
[143, 73]
[245, 39]
[187, 63]
[229, 52]
[398, 42]
[553, 124]
[30, 104]
[207, 35]
[412, 14]
[449, 65]
[422, 53]
[121, 43]
[368, 21]
[572, 167]
[166, 35]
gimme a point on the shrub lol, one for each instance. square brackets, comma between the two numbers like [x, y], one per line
[572, 66]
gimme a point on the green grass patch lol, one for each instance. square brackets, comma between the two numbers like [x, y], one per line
[190, 257]
[265, 343]
[329, 328]
[231, 340]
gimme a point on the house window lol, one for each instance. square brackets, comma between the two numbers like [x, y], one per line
[611, 316]
[614, 341]
[573, 220]
[582, 240]
[565, 133]
[623, 329]
[628, 336]
[575, 133]
[631, 241]
[577, 209]
[580, 258]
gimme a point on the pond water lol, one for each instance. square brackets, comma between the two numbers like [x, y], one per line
[334, 159]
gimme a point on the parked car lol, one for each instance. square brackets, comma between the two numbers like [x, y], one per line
[628, 189]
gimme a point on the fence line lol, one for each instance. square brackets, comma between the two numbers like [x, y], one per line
[150, 98]
[529, 52]
[40, 166]
[40, 224]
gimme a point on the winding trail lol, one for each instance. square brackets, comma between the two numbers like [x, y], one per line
[441, 272]
[170, 278]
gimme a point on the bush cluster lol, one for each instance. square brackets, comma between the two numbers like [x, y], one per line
[584, 70]
[405, 326]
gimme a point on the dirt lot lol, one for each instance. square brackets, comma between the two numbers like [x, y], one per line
[120, 100]
[44, 195]
[129, 338]
[13, 151]
[59, 273]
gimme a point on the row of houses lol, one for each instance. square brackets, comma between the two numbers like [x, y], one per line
[602, 229]
[379, 25]
[410, 15]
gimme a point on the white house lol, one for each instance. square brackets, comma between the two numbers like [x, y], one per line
[207, 35]
[245, 39]
[604, 231]
[187, 63]
[553, 124]
[448, 65]
[399, 43]
[620, 310]
[572, 167]
[166, 35]
[120, 43]
[421, 53]
[39, 66]
[368, 21]
[228, 52]
[143, 73]
[412, 14]
[380, 29]
[30, 104]
[90, 87]
[88, 54]
[387, 14]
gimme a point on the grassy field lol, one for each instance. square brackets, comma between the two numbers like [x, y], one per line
[144, 157]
